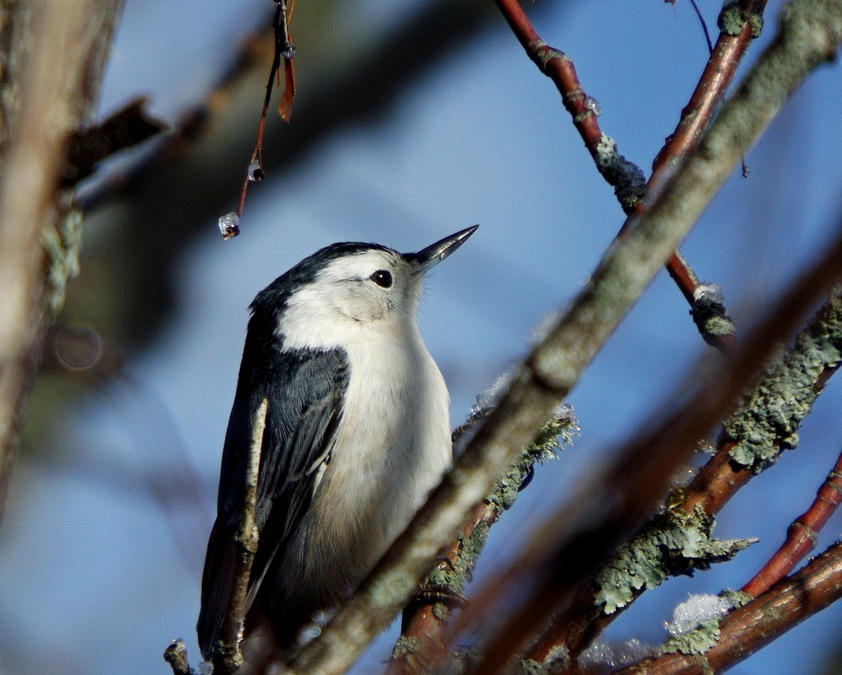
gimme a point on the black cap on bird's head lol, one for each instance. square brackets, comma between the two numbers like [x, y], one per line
[276, 295]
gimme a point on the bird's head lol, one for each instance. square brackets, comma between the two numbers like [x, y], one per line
[349, 285]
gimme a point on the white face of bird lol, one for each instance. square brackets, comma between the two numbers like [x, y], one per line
[371, 286]
[363, 293]
[374, 290]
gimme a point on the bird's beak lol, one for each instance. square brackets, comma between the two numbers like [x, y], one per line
[431, 256]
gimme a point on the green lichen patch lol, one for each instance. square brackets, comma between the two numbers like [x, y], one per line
[696, 641]
[403, 646]
[625, 177]
[709, 313]
[699, 638]
[558, 432]
[672, 543]
[61, 243]
[732, 18]
[768, 419]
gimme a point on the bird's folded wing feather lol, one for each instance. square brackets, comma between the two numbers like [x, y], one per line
[304, 390]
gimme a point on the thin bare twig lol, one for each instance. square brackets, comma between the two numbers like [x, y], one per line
[627, 179]
[229, 224]
[739, 26]
[704, 25]
[734, 39]
[227, 655]
[802, 534]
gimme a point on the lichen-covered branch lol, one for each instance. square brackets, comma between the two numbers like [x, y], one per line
[553, 367]
[672, 543]
[576, 540]
[789, 389]
[422, 644]
[785, 395]
[745, 630]
[768, 419]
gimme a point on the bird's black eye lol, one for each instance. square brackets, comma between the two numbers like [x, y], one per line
[382, 278]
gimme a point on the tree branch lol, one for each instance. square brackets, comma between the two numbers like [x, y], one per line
[57, 51]
[577, 539]
[801, 535]
[227, 656]
[544, 379]
[745, 630]
[791, 385]
[737, 32]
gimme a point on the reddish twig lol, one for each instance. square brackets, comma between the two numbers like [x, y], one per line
[726, 55]
[747, 629]
[626, 178]
[229, 224]
[716, 482]
[801, 535]
[717, 76]
[423, 643]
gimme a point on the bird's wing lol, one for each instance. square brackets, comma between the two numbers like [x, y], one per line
[304, 390]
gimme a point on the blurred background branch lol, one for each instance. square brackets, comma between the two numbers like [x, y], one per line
[55, 58]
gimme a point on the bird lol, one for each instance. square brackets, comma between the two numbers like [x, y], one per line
[357, 433]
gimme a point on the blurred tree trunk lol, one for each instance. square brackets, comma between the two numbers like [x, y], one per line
[51, 64]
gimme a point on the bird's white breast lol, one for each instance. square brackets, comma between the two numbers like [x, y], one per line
[392, 445]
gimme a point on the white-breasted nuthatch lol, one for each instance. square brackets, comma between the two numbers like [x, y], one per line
[357, 432]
